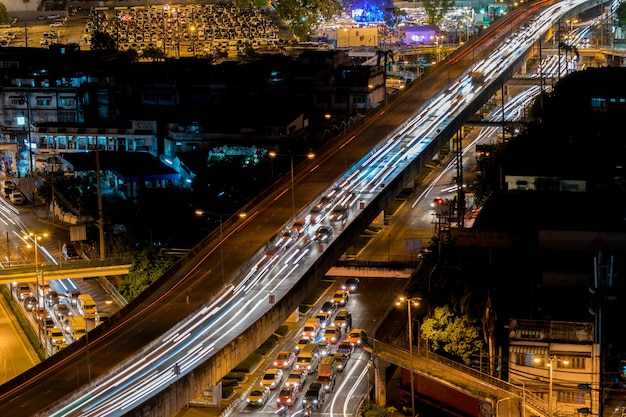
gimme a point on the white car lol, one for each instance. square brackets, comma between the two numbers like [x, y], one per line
[272, 378]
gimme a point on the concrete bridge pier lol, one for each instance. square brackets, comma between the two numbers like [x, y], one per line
[380, 381]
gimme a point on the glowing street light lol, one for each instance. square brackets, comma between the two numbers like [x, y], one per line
[309, 155]
[409, 302]
[200, 212]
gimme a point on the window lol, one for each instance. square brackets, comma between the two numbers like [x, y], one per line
[66, 102]
[359, 98]
[574, 362]
[341, 98]
[598, 104]
[67, 116]
[572, 397]
[526, 359]
[44, 101]
[17, 101]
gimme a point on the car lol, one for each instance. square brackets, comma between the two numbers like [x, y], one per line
[48, 322]
[16, 197]
[258, 396]
[339, 214]
[61, 310]
[328, 307]
[316, 213]
[52, 298]
[351, 284]
[40, 313]
[323, 234]
[22, 291]
[301, 343]
[69, 252]
[288, 236]
[288, 395]
[341, 298]
[30, 303]
[301, 225]
[272, 378]
[55, 336]
[314, 396]
[341, 361]
[343, 319]
[327, 200]
[357, 337]
[297, 377]
[53, 17]
[332, 334]
[324, 317]
[325, 347]
[345, 348]
[56, 25]
[285, 359]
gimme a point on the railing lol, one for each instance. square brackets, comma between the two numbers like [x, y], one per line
[111, 261]
[465, 377]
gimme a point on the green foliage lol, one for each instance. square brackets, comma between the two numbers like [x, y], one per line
[227, 382]
[458, 336]
[227, 391]
[154, 54]
[4, 16]
[147, 267]
[436, 9]
[621, 14]
[268, 345]
[282, 330]
[248, 364]
[303, 16]
[102, 41]
[239, 376]
[370, 409]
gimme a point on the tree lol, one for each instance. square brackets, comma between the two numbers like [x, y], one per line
[436, 9]
[4, 16]
[154, 54]
[621, 14]
[147, 267]
[302, 16]
[102, 41]
[457, 336]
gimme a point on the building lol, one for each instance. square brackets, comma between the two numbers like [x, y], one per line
[559, 362]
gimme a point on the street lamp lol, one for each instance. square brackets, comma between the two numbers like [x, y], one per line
[309, 155]
[498, 403]
[200, 212]
[415, 302]
[551, 361]
[34, 237]
[192, 29]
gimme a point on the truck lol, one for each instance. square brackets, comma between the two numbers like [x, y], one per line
[312, 327]
[326, 373]
[75, 326]
[86, 306]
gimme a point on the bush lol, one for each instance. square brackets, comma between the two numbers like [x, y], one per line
[239, 376]
[229, 382]
[268, 345]
[282, 330]
[249, 363]
[227, 391]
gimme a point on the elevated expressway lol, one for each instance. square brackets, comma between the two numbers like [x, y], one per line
[224, 298]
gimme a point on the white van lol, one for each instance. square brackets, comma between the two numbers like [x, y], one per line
[86, 306]
[17, 197]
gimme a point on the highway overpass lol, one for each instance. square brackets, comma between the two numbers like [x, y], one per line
[205, 280]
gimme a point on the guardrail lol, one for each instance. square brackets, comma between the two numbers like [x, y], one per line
[465, 377]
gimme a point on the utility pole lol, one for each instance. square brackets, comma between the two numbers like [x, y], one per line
[100, 215]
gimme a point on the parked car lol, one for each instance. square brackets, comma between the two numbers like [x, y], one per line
[272, 378]
[258, 396]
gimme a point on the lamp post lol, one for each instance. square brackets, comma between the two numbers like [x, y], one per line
[34, 237]
[221, 216]
[409, 301]
[552, 359]
[309, 155]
